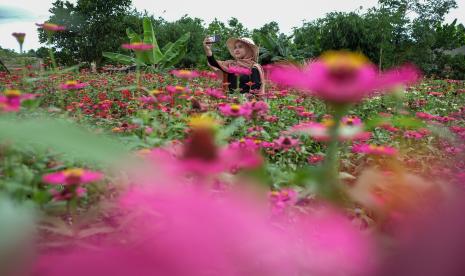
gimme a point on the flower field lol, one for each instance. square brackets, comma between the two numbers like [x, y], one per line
[332, 171]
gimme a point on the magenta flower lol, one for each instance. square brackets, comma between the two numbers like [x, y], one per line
[285, 143]
[374, 149]
[215, 93]
[257, 107]
[137, 46]
[320, 131]
[73, 85]
[315, 159]
[246, 143]
[351, 121]
[177, 89]
[68, 192]
[72, 177]
[11, 100]
[413, 134]
[51, 27]
[235, 110]
[342, 77]
[282, 199]
[185, 74]
[190, 232]
[238, 70]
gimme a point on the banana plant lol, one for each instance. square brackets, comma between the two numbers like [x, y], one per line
[167, 57]
[274, 49]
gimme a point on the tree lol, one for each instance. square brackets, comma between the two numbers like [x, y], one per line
[93, 26]
[167, 32]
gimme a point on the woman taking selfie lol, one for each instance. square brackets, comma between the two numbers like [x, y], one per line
[244, 65]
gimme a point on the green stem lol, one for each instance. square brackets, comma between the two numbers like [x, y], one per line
[331, 188]
[50, 51]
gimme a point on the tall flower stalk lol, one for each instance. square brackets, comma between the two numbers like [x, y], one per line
[50, 29]
[340, 79]
[20, 38]
[138, 48]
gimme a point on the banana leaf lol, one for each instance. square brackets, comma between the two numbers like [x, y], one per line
[123, 59]
[149, 37]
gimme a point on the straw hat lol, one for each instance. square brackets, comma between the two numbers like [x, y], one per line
[232, 41]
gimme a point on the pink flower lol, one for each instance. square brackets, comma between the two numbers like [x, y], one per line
[315, 158]
[351, 121]
[73, 85]
[235, 110]
[425, 116]
[189, 232]
[257, 107]
[342, 77]
[282, 199]
[185, 74]
[412, 134]
[11, 100]
[177, 89]
[285, 143]
[51, 27]
[374, 149]
[72, 177]
[208, 74]
[137, 46]
[320, 131]
[246, 143]
[238, 70]
[68, 192]
[215, 93]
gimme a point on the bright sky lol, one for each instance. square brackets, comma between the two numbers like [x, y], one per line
[253, 14]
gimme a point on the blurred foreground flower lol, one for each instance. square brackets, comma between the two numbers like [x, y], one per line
[238, 70]
[342, 77]
[185, 74]
[50, 27]
[137, 46]
[10, 101]
[349, 129]
[190, 232]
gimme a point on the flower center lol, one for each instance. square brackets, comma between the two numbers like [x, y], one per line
[72, 82]
[235, 108]
[12, 93]
[343, 66]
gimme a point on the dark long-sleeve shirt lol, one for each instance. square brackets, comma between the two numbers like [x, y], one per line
[243, 79]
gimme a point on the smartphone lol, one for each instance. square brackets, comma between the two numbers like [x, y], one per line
[214, 39]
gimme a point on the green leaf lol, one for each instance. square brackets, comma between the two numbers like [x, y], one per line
[175, 51]
[149, 37]
[407, 122]
[123, 59]
[64, 137]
